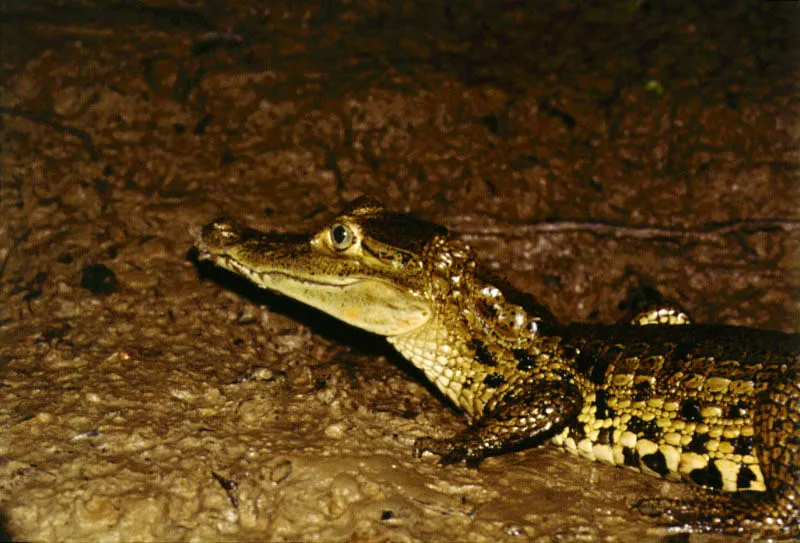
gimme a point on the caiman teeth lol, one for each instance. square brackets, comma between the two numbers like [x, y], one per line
[264, 278]
[272, 274]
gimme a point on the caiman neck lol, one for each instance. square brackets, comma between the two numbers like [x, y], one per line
[477, 321]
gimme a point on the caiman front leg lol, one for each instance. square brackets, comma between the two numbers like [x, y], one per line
[544, 409]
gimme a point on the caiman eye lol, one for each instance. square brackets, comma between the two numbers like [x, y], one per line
[342, 236]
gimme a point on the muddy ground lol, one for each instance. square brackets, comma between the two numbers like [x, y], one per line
[588, 151]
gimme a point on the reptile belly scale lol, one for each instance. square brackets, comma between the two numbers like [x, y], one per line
[716, 406]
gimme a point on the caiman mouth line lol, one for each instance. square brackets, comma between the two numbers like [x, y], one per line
[263, 278]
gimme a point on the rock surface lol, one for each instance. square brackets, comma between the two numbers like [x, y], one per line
[587, 152]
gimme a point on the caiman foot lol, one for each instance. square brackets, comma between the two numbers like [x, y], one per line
[546, 407]
[687, 515]
[745, 513]
[451, 451]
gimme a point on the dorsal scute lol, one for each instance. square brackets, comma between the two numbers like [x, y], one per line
[489, 307]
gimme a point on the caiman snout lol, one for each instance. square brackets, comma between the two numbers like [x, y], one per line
[220, 234]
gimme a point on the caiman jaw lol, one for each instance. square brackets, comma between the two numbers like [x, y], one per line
[367, 294]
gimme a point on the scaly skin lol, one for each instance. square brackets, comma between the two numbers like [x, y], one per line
[718, 406]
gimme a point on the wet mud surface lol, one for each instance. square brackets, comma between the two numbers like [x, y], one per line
[587, 152]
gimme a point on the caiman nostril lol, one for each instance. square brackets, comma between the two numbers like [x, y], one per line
[220, 233]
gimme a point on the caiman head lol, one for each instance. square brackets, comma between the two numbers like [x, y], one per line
[366, 267]
[391, 274]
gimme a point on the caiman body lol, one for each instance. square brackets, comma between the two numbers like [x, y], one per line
[715, 405]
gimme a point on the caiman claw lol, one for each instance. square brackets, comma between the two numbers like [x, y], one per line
[450, 451]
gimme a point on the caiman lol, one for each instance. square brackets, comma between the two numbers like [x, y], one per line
[715, 405]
